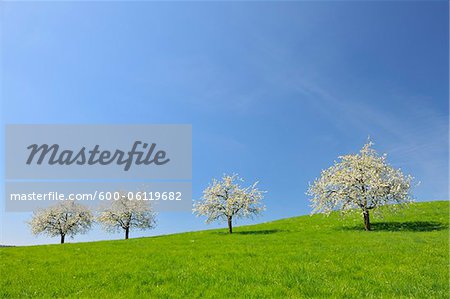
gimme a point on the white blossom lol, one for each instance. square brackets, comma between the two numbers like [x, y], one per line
[362, 181]
[66, 218]
[125, 214]
[226, 199]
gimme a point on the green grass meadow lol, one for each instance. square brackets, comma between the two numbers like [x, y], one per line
[406, 256]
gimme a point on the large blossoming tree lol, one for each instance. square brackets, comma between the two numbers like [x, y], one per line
[361, 181]
[226, 200]
[66, 218]
[125, 214]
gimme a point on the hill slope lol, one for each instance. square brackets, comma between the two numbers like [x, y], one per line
[406, 256]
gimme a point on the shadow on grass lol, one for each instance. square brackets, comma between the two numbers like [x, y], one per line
[411, 226]
[253, 232]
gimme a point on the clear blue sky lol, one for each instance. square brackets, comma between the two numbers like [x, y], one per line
[274, 91]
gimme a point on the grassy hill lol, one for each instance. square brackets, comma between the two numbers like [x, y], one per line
[407, 255]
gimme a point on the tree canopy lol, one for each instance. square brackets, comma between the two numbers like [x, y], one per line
[66, 218]
[362, 181]
[226, 199]
[126, 214]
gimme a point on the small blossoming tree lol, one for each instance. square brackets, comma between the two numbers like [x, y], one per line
[362, 181]
[226, 199]
[125, 214]
[63, 219]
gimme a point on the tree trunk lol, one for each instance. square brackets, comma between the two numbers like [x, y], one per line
[127, 232]
[366, 220]
[62, 238]
[230, 224]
